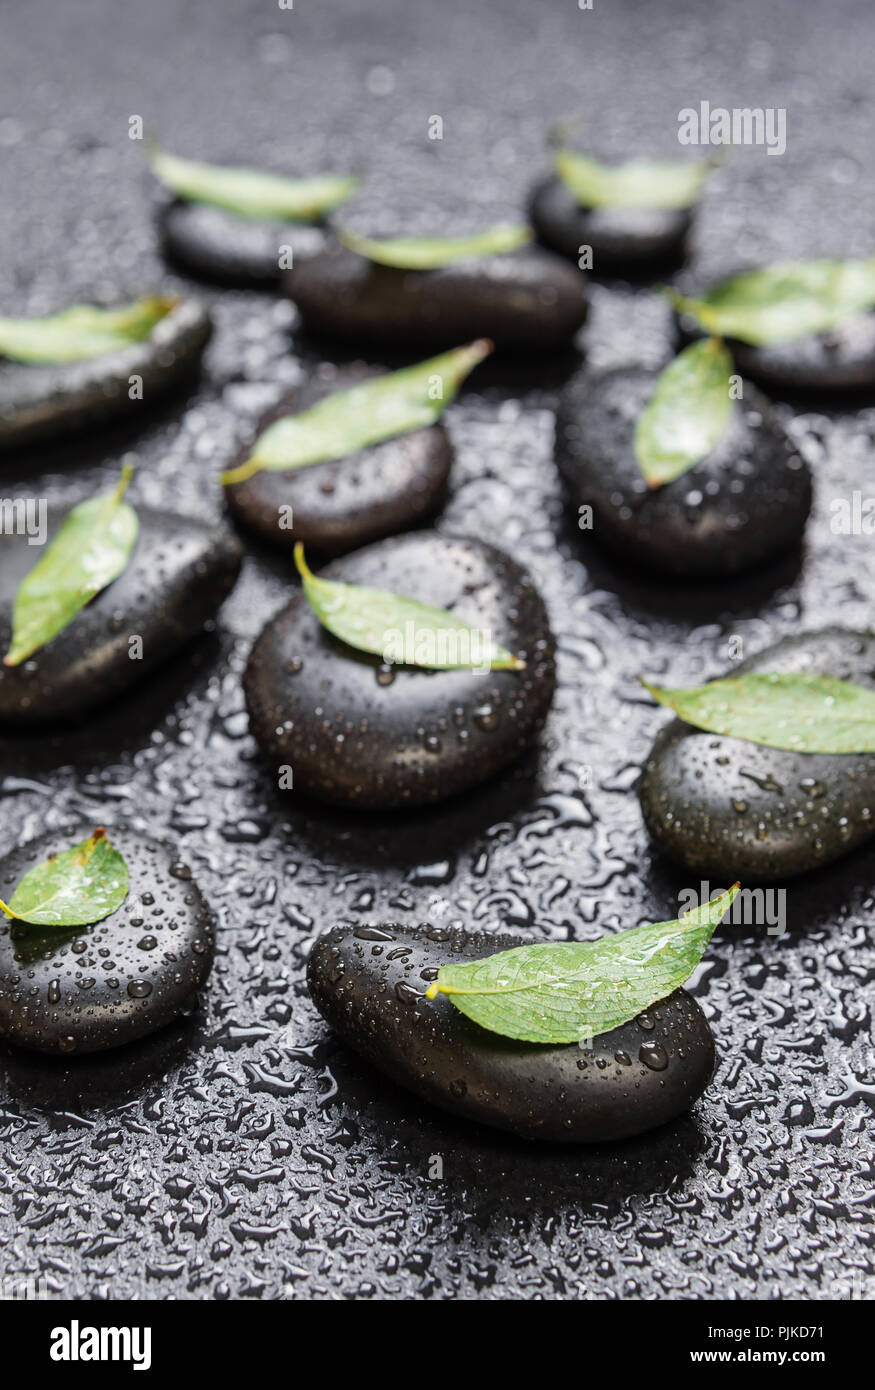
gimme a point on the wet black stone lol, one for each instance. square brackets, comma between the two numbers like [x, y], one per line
[637, 1076]
[840, 360]
[356, 732]
[215, 245]
[527, 299]
[345, 503]
[723, 805]
[48, 401]
[624, 241]
[84, 989]
[743, 504]
[179, 573]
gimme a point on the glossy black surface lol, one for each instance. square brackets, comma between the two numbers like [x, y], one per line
[254, 1155]
[214, 244]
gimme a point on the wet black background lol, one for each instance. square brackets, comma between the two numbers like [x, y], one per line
[246, 1154]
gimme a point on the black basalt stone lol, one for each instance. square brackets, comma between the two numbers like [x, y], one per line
[83, 989]
[214, 244]
[356, 732]
[52, 400]
[624, 241]
[369, 984]
[345, 503]
[528, 299]
[729, 807]
[180, 572]
[837, 361]
[744, 503]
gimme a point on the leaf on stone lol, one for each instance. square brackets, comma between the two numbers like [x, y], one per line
[430, 253]
[401, 630]
[82, 332]
[688, 413]
[641, 183]
[800, 712]
[782, 302]
[252, 193]
[92, 547]
[80, 885]
[353, 419]
[565, 991]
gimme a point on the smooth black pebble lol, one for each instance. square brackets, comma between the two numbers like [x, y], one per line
[744, 503]
[83, 989]
[217, 245]
[729, 807]
[526, 299]
[357, 732]
[624, 241]
[52, 400]
[369, 982]
[349, 502]
[180, 571]
[839, 360]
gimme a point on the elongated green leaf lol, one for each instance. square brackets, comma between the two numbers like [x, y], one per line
[783, 302]
[429, 253]
[802, 712]
[80, 885]
[641, 183]
[83, 331]
[563, 991]
[350, 420]
[401, 630]
[252, 192]
[687, 414]
[91, 549]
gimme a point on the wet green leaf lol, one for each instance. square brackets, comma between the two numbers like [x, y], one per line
[350, 420]
[401, 630]
[783, 302]
[429, 253]
[83, 331]
[688, 413]
[801, 712]
[252, 192]
[80, 885]
[90, 550]
[641, 183]
[564, 991]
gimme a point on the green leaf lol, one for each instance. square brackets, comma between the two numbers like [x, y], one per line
[83, 331]
[800, 712]
[350, 420]
[92, 547]
[80, 885]
[783, 302]
[688, 413]
[429, 253]
[641, 183]
[563, 991]
[401, 630]
[252, 192]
